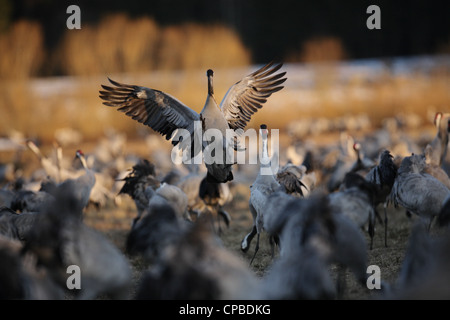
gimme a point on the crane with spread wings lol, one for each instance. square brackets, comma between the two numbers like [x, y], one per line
[167, 115]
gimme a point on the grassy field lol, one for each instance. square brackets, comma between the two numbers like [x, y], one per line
[38, 107]
[115, 224]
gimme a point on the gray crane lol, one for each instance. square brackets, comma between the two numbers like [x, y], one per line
[172, 195]
[59, 238]
[290, 177]
[383, 177]
[198, 267]
[190, 184]
[263, 186]
[30, 201]
[6, 197]
[350, 160]
[355, 201]
[304, 274]
[15, 225]
[418, 257]
[21, 278]
[312, 237]
[83, 185]
[215, 195]
[161, 224]
[424, 270]
[165, 114]
[50, 167]
[156, 231]
[416, 191]
[137, 181]
[205, 197]
[436, 150]
[438, 172]
[443, 219]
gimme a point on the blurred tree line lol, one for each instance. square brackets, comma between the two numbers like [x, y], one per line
[269, 29]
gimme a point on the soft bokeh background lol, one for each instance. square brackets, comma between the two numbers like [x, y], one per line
[379, 86]
[50, 75]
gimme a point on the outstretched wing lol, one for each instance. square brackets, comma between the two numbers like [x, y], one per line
[248, 95]
[156, 109]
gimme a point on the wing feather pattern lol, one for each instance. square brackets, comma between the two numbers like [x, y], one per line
[248, 95]
[156, 109]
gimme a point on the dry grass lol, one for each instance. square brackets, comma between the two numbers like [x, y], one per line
[40, 107]
[120, 44]
[319, 49]
[117, 45]
[22, 50]
[174, 59]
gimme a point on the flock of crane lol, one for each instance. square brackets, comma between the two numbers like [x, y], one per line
[316, 209]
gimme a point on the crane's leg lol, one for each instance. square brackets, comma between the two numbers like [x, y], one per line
[256, 248]
[340, 282]
[245, 243]
[371, 231]
[135, 219]
[272, 246]
[429, 224]
[274, 242]
[385, 224]
[377, 214]
[219, 225]
[211, 220]
[225, 216]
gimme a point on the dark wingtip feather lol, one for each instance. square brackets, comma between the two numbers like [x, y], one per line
[107, 88]
[109, 104]
[121, 85]
[113, 82]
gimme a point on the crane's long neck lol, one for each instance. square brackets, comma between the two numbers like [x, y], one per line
[35, 149]
[265, 160]
[356, 149]
[89, 177]
[211, 108]
[442, 134]
[265, 148]
[265, 174]
[445, 139]
[59, 162]
[443, 129]
[83, 162]
[437, 123]
[210, 84]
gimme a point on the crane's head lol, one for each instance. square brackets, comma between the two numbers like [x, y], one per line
[386, 156]
[79, 153]
[210, 74]
[263, 130]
